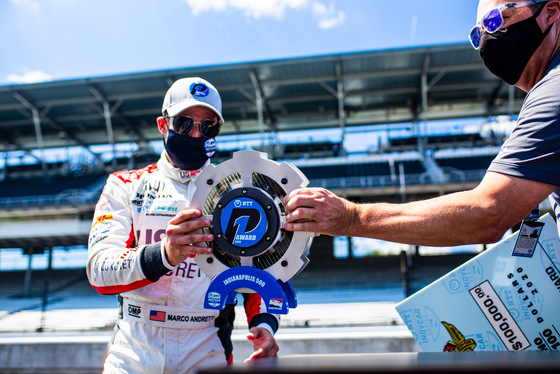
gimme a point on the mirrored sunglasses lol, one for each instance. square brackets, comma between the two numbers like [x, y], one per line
[184, 125]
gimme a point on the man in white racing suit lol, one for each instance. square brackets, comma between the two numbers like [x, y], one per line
[142, 247]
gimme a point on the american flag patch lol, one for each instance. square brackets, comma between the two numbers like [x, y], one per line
[156, 315]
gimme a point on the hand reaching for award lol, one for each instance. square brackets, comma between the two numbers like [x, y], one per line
[319, 210]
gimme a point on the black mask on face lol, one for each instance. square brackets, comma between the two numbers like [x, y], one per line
[506, 52]
[188, 153]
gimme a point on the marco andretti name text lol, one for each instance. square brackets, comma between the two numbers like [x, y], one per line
[173, 317]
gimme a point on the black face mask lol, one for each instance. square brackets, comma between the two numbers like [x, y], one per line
[188, 153]
[506, 52]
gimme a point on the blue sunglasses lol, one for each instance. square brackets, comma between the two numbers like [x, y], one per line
[494, 20]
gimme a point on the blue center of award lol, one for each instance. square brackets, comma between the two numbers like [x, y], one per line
[243, 222]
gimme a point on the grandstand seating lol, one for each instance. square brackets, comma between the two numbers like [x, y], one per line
[466, 163]
[135, 162]
[412, 167]
[338, 172]
[346, 170]
[440, 141]
[361, 169]
[374, 171]
[61, 282]
[310, 150]
[50, 185]
[27, 168]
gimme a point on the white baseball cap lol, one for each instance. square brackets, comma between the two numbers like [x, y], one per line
[189, 92]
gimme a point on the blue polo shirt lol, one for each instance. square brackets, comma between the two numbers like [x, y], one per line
[533, 149]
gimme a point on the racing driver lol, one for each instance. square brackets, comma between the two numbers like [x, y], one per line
[141, 247]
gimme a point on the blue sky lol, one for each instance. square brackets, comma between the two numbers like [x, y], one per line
[65, 39]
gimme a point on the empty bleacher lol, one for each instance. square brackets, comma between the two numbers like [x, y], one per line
[30, 169]
[329, 172]
[466, 163]
[436, 142]
[346, 170]
[371, 171]
[61, 283]
[310, 150]
[50, 185]
[135, 162]
[54, 188]
[411, 166]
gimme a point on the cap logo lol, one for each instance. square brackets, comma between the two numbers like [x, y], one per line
[199, 90]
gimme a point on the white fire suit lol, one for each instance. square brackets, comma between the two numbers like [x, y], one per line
[162, 327]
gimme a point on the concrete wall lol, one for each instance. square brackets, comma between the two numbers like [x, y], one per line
[85, 354]
[52, 356]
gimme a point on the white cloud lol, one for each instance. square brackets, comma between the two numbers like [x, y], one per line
[326, 17]
[255, 9]
[29, 77]
[198, 6]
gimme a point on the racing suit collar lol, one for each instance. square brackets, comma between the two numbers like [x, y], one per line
[170, 171]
